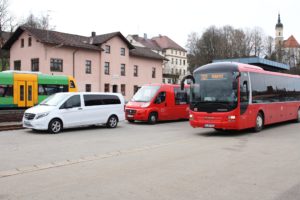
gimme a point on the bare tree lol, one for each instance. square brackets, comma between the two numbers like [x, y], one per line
[41, 22]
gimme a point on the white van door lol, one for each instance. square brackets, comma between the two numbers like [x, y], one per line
[71, 112]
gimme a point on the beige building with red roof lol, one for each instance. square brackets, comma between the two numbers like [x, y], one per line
[175, 67]
[290, 46]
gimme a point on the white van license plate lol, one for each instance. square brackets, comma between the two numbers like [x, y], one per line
[209, 125]
[27, 123]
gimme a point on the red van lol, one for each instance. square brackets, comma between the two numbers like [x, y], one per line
[158, 102]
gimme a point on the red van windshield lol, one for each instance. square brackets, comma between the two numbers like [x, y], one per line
[145, 93]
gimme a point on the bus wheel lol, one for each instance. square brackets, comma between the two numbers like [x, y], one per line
[55, 126]
[152, 119]
[298, 118]
[112, 122]
[259, 122]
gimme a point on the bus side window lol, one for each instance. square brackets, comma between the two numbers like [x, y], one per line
[244, 92]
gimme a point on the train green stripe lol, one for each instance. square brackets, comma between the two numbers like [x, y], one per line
[53, 80]
[6, 79]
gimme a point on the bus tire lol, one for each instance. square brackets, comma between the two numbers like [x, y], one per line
[298, 116]
[112, 122]
[152, 119]
[55, 126]
[259, 122]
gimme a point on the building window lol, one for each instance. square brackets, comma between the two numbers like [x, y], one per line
[153, 72]
[106, 87]
[172, 60]
[123, 89]
[180, 62]
[122, 69]
[135, 89]
[17, 65]
[106, 68]
[176, 61]
[107, 49]
[184, 72]
[22, 43]
[183, 62]
[35, 64]
[88, 67]
[122, 51]
[56, 65]
[135, 70]
[88, 87]
[29, 41]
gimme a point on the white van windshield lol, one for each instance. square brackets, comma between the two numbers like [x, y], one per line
[145, 93]
[54, 99]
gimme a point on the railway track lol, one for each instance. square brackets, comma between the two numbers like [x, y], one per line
[10, 119]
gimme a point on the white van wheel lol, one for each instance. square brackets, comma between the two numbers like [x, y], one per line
[55, 126]
[112, 122]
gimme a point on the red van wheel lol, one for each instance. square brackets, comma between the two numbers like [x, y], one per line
[152, 119]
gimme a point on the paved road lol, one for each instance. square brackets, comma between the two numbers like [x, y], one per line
[140, 161]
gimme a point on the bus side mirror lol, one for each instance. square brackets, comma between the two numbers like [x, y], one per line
[186, 78]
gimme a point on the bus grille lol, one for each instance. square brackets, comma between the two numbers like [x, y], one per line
[29, 116]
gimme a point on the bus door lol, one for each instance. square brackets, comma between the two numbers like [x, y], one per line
[25, 90]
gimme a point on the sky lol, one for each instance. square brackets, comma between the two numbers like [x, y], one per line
[173, 18]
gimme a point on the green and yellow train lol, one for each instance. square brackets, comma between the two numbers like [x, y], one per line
[25, 89]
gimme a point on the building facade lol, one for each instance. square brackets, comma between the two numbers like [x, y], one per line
[104, 63]
[175, 66]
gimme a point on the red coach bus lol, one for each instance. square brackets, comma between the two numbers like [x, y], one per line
[240, 96]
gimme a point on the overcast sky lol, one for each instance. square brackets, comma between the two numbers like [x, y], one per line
[174, 18]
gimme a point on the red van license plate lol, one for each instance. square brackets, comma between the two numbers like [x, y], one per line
[209, 125]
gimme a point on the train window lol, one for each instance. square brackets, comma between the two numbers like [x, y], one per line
[21, 92]
[6, 90]
[29, 93]
[51, 89]
[72, 84]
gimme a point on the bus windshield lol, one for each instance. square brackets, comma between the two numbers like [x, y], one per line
[145, 93]
[215, 91]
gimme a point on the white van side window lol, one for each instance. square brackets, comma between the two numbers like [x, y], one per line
[96, 100]
[72, 102]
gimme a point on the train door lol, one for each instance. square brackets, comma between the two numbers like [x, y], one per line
[25, 90]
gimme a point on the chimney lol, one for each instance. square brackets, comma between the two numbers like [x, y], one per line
[93, 34]
[145, 36]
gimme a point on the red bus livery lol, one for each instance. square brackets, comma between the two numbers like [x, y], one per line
[158, 102]
[240, 96]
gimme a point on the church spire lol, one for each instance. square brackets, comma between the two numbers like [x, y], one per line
[279, 24]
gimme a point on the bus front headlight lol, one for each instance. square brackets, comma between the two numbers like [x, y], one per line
[231, 117]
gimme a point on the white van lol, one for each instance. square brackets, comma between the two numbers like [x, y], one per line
[74, 109]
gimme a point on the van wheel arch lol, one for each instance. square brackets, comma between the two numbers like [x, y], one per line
[153, 117]
[259, 121]
[58, 123]
[112, 121]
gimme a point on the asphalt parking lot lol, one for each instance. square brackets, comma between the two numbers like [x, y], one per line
[139, 161]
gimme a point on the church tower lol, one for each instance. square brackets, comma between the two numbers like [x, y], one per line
[279, 32]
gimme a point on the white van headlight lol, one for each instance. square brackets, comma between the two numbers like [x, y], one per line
[145, 105]
[38, 116]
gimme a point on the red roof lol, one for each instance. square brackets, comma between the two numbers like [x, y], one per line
[166, 43]
[291, 42]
